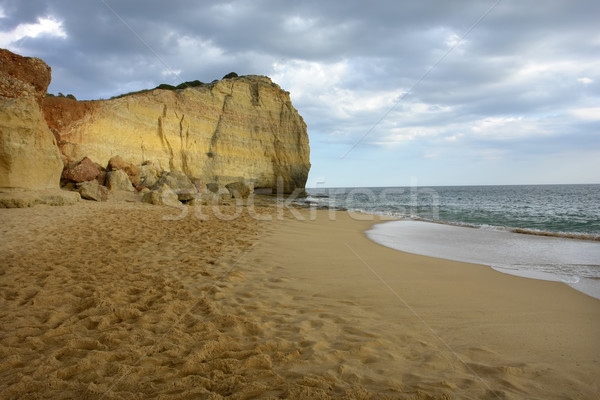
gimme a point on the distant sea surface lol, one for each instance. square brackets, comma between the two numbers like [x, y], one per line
[547, 232]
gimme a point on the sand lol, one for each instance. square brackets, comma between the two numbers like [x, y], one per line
[115, 301]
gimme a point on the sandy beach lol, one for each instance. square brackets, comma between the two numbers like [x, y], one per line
[115, 301]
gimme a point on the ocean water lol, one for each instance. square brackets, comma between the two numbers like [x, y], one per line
[549, 232]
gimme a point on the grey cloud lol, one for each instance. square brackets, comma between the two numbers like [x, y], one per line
[386, 45]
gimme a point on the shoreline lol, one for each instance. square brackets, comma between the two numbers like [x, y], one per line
[572, 262]
[112, 301]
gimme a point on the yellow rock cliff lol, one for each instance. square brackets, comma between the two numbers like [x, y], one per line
[236, 129]
[29, 157]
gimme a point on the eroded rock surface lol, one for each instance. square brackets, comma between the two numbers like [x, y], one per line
[239, 129]
[29, 156]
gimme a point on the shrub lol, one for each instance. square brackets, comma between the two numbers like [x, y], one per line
[130, 93]
[230, 75]
[189, 84]
[165, 86]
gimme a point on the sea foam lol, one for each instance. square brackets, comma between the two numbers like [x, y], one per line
[574, 262]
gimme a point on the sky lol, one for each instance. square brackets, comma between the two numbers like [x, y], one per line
[394, 93]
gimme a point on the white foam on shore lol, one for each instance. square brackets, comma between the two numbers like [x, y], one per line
[574, 262]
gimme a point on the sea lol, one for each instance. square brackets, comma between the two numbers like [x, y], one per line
[549, 232]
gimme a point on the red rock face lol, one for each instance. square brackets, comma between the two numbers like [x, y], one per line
[59, 112]
[22, 76]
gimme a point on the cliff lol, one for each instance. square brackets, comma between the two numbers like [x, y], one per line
[236, 129]
[29, 156]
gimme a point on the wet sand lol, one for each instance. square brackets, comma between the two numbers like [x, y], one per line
[111, 300]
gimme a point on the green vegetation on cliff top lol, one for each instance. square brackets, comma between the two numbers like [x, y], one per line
[181, 86]
[163, 86]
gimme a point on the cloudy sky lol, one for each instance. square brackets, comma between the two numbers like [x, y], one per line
[394, 93]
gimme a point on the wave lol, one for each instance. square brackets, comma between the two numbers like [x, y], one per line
[524, 231]
[323, 202]
[568, 235]
[569, 273]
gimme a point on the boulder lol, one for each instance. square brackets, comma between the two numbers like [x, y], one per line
[239, 190]
[186, 195]
[83, 171]
[200, 185]
[92, 190]
[149, 174]
[204, 199]
[118, 180]
[133, 171]
[179, 182]
[162, 196]
[101, 178]
[212, 187]
[223, 194]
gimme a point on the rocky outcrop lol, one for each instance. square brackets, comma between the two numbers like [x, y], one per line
[29, 156]
[239, 129]
[22, 76]
[30, 198]
[240, 132]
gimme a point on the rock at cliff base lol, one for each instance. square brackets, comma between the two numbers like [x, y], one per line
[149, 174]
[162, 196]
[212, 187]
[83, 171]
[22, 76]
[29, 156]
[204, 199]
[179, 182]
[132, 170]
[30, 198]
[239, 190]
[92, 190]
[118, 180]
[101, 178]
[175, 180]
